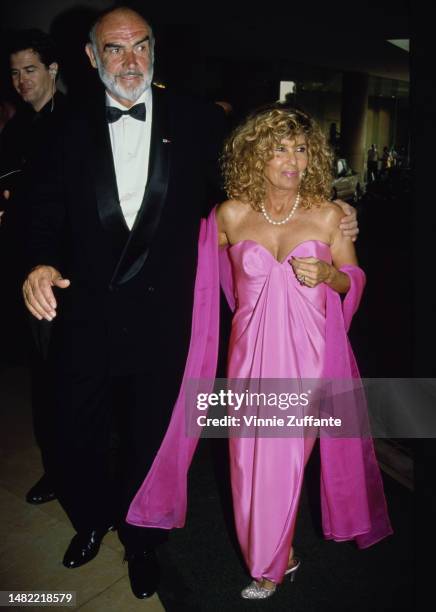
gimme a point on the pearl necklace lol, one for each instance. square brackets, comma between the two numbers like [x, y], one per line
[286, 219]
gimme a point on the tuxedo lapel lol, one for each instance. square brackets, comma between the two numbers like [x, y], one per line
[147, 221]
[105, 182]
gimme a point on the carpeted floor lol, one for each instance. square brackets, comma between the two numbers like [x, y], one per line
[203, 570]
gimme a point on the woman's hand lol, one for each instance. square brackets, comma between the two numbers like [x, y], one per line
[311, 271]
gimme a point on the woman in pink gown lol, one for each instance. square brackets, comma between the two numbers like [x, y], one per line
[286, 251]
[283, 265]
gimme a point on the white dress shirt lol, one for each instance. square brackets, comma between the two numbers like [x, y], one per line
[130, 141]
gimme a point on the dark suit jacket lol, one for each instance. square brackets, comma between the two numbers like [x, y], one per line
[129, 305]
[19, 142]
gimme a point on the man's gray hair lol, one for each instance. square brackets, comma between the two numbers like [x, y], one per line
[93, 30]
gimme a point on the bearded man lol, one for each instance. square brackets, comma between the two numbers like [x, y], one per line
[114, 228]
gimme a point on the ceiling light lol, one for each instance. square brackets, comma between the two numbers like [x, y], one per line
[402, 43]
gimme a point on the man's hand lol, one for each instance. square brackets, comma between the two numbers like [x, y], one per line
[348, 224]
[38, 293]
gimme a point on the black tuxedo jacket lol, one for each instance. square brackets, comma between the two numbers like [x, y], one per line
[129, 305]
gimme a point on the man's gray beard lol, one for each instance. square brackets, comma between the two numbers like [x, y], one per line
[116, 89]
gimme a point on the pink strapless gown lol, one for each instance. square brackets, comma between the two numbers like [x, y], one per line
[278, 331]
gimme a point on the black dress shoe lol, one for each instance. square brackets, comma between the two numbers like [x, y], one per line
[41, 492]
[84, 547]
[144, 573]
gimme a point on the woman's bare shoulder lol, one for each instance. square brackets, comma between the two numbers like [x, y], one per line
[231, 207]
[330, 213]
[231, 211]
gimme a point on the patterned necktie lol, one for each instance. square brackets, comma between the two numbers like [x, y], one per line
[137, 112]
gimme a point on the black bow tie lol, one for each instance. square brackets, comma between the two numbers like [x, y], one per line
[137, 112]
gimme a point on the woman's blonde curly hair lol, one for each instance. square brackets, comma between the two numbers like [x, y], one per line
[252, 144]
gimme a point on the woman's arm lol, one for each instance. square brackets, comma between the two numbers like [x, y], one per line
[228, 216]
[311, 271]
[343, 253]
[220, 222]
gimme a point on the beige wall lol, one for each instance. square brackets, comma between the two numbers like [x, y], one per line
[326, 107]
[381, 128]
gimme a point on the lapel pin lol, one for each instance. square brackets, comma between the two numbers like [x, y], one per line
[166, 141]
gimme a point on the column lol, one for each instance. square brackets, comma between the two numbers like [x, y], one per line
[353, 119]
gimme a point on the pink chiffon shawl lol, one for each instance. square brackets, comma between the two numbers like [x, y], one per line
[352, 499]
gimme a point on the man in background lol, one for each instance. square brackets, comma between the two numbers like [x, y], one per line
[371, 164]
[34, 66]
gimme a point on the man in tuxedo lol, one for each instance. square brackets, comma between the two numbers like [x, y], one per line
[123, 199]
[113, 243]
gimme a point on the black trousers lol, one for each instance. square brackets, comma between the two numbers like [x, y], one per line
[94, 481]
[40, 381]
[372, 171]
